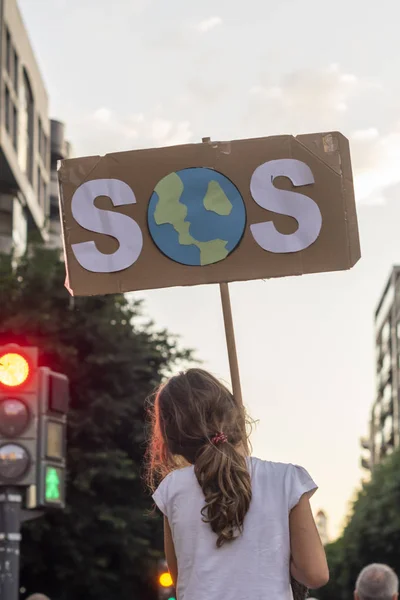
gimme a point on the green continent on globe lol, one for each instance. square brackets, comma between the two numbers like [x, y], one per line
[170, 210]
[216, 200]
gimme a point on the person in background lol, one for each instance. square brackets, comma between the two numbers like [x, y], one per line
[235, 526]
[377, 582]
[37, 597]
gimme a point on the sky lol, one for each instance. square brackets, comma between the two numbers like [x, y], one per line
[131, 74]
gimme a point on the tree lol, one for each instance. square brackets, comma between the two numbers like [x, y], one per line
[103, 545]
[372, 533]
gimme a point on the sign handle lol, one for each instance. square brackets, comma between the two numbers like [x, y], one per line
[230, 341]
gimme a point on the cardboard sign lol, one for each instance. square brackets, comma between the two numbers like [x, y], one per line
[208, 213]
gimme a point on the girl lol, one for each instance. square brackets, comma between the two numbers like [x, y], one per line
[235, 526]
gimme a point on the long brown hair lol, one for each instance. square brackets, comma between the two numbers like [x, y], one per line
[186, 413]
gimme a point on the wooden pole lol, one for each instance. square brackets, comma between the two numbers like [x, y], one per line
[229, 333]
[230, 341]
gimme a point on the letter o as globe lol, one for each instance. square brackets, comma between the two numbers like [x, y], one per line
[196, 216]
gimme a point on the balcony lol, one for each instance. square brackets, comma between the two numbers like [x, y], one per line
[365, 443]
[386, 410]
[384, 377]
[366, 463]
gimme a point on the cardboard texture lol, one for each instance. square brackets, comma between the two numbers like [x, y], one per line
[215, 221]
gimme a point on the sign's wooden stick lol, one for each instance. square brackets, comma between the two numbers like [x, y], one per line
[229, 333]
[230, 341]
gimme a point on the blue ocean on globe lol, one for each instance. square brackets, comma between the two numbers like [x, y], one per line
[196, 216]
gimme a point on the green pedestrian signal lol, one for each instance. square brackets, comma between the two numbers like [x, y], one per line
[53, 484]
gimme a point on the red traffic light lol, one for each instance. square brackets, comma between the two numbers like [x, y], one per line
[14, 369]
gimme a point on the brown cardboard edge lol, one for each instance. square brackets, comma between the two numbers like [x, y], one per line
[308, 142]
[63, 229]
[345, 173]
[353, 234]
[122, 290]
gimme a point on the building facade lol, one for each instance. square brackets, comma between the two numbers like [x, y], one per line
[26, 150]
[384, 426]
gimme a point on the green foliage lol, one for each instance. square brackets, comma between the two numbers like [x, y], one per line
[103, 545]
[371, 535]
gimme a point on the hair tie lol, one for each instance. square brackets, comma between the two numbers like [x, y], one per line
[219, 438]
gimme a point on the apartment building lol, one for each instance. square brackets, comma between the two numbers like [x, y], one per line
[24, 136]
[30, 144]
[384, 426]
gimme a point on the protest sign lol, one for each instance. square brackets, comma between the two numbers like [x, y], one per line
[208, 213]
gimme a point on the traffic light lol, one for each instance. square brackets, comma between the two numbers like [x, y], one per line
[166, 590]
[19, 390]
[53, 408]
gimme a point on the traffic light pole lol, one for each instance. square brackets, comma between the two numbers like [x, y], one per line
[10, 537]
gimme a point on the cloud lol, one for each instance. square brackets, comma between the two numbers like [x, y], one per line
[103, 131]
[302, 102]
[332, 99]
[208, 24]
[305, 100]
[103, 115]
[376, 160]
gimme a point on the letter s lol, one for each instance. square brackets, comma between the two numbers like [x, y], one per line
[121, 227]
[300, 207]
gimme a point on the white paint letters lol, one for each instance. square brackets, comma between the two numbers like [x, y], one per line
[300, 207]
[123, 228]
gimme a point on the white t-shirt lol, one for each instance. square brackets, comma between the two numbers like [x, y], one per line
[255, 566]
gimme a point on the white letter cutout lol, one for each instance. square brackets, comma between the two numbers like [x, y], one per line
[121, 227]
[300, 207]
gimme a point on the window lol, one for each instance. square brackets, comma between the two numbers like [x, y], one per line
[384, 307]
[41, 188]
[26, 125]
[388, 425]
[54, 210]
[7, 109]
[386, 363]
[44, 148]
[387, 392]
[16, 71]
[388, 429]
[38, 180]
[15, 127]
[45, 204]
[40, 136]
[385, 335]
[378, 442]
[42, 142]
[387, 405]
[8, 51]
[377, 415]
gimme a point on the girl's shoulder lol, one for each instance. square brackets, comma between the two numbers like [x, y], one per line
[177, 478]
[293, 480]
[271, 466]
[277, 468]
